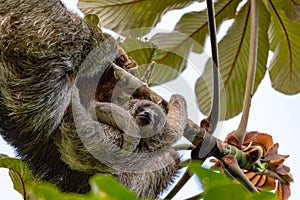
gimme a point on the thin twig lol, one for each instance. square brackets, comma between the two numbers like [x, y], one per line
[241, 131]
[183, 180]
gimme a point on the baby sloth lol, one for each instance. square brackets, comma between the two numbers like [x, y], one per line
[134, 145]
[153, 162]
[156, 129]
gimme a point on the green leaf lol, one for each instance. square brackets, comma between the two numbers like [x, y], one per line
[172, 57]
[234, 56]
[103, 187]
[106, 186]
[18, 172]
[195, 24]
[43, 191]
[291, 9]
[47, 191]
[285, 42]
[217, 185]
[227, 192]
[209, 179]
[122, 15]
[190, 33]
[142, 52]
[93, 19]
[264, 195]
[168, 64]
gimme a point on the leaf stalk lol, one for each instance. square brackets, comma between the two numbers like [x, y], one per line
[241, 131]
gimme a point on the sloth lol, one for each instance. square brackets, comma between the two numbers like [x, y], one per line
[52, 62]
[134, 137]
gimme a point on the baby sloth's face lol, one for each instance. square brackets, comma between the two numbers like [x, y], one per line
[149, 116]
[144, 116]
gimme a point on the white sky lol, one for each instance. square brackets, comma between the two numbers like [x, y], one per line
[271, 112]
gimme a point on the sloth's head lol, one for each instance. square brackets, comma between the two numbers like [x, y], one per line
[149, 116]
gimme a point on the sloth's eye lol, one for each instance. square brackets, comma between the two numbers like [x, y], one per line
[140, 109]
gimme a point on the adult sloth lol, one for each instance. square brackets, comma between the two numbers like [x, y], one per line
[48, 56]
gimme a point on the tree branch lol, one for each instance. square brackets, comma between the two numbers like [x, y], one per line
[213, 117]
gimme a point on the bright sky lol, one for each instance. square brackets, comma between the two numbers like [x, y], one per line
[271, 112]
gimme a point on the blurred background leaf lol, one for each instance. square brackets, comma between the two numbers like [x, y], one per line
[122, 15]
[103, 187]
[285, 42]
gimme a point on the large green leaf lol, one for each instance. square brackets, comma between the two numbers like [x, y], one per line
[47, 191]
[172, 57]
[219, 186]
[285, 42]
[168, 62]
[152, 68]
[122, 15]
[189, 34]
[234, 52]
[106, 186]
[143, 52]
[195, 24]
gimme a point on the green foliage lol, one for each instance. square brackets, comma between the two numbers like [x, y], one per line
[108, 188]
[194, 24]
[18, 172]
[278, 26]
[122, 15]
[234, 57]
[158, 50]
[285, 42]
[104, 187]
[219, 186]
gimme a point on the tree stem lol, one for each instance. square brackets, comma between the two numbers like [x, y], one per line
[241, 131]
[213, 117]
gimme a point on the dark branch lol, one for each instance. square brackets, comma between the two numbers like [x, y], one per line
[213, 117]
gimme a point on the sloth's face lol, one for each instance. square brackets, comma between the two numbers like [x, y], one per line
[123, 60]
[144, 116]
[148, 115]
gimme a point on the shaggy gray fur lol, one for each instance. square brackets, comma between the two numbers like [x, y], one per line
[46, 107]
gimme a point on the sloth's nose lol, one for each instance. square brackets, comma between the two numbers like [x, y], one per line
[147, 114]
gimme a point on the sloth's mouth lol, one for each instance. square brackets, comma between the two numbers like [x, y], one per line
[143, 119]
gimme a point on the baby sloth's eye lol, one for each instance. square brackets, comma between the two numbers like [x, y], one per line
[140, 109]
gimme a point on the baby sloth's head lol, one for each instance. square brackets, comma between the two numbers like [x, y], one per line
[150, 117]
